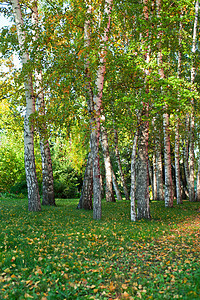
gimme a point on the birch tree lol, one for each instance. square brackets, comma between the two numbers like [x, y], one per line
[31, 178]
[107, 163]
[198, 182]
[133, 177]
[143, 207]
[47, 172]
[95, 98]
[191, 147]
[159, 170]
[117, 154]
[167, 149]
[177, 137]
[87, 188]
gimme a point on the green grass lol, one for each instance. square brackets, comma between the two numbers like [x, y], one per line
[62, 253]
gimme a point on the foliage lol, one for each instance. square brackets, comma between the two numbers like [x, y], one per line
[61, 253]
[67, 162]
[60, 53]
[12, 171]
[11, 162]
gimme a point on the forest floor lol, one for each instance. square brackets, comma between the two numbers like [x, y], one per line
[62, 253]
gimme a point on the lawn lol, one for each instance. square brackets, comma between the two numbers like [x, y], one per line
[62, 253]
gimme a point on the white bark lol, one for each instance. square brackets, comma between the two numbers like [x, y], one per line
[177, 139]
[107, 163]
[167, 150]
[186, 151]
[159, 171]
[154, 179]
[133, 177]
[194, 41]
[197, 198]
[177, 165]
[167, 159]
[191, 148]
[95, 103]
[117, 154]
[31, 178]
[47, 172]
[97, 111]
[116, 187]
[87, 188]
[143, 207]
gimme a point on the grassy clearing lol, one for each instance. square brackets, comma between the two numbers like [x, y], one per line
[62, 253]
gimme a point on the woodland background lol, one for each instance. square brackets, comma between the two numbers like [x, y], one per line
[149, 102]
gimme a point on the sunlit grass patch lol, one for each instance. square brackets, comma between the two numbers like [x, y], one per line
[62, 253]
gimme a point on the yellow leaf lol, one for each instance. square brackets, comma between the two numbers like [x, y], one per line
[140, 286]
[39, 271]
[7, 270]
[28, 296]
[93, 286]
[187, 261]
[124, 286]
[111, 287]
[125, 294]
[103, 286]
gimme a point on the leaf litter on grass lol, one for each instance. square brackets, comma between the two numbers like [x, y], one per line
[61, 253]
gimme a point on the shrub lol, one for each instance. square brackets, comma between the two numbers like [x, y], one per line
[65, 182]
[12, 163]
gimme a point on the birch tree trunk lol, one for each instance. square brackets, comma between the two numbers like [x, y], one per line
[186, 151]
[143, 207]
[159, 171]
[150, 178]
[167, 150]
[133, 177]
[31, 178]
[198, 182]
[95, 101]
[120, 166]
[191, 148]
[177, 139]
[108, 168]
[177, 165]
[154, 178]
[94, 105]
[115, 185]
[97, 112]
[47, 172]
[87, 189]
[167, 159]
